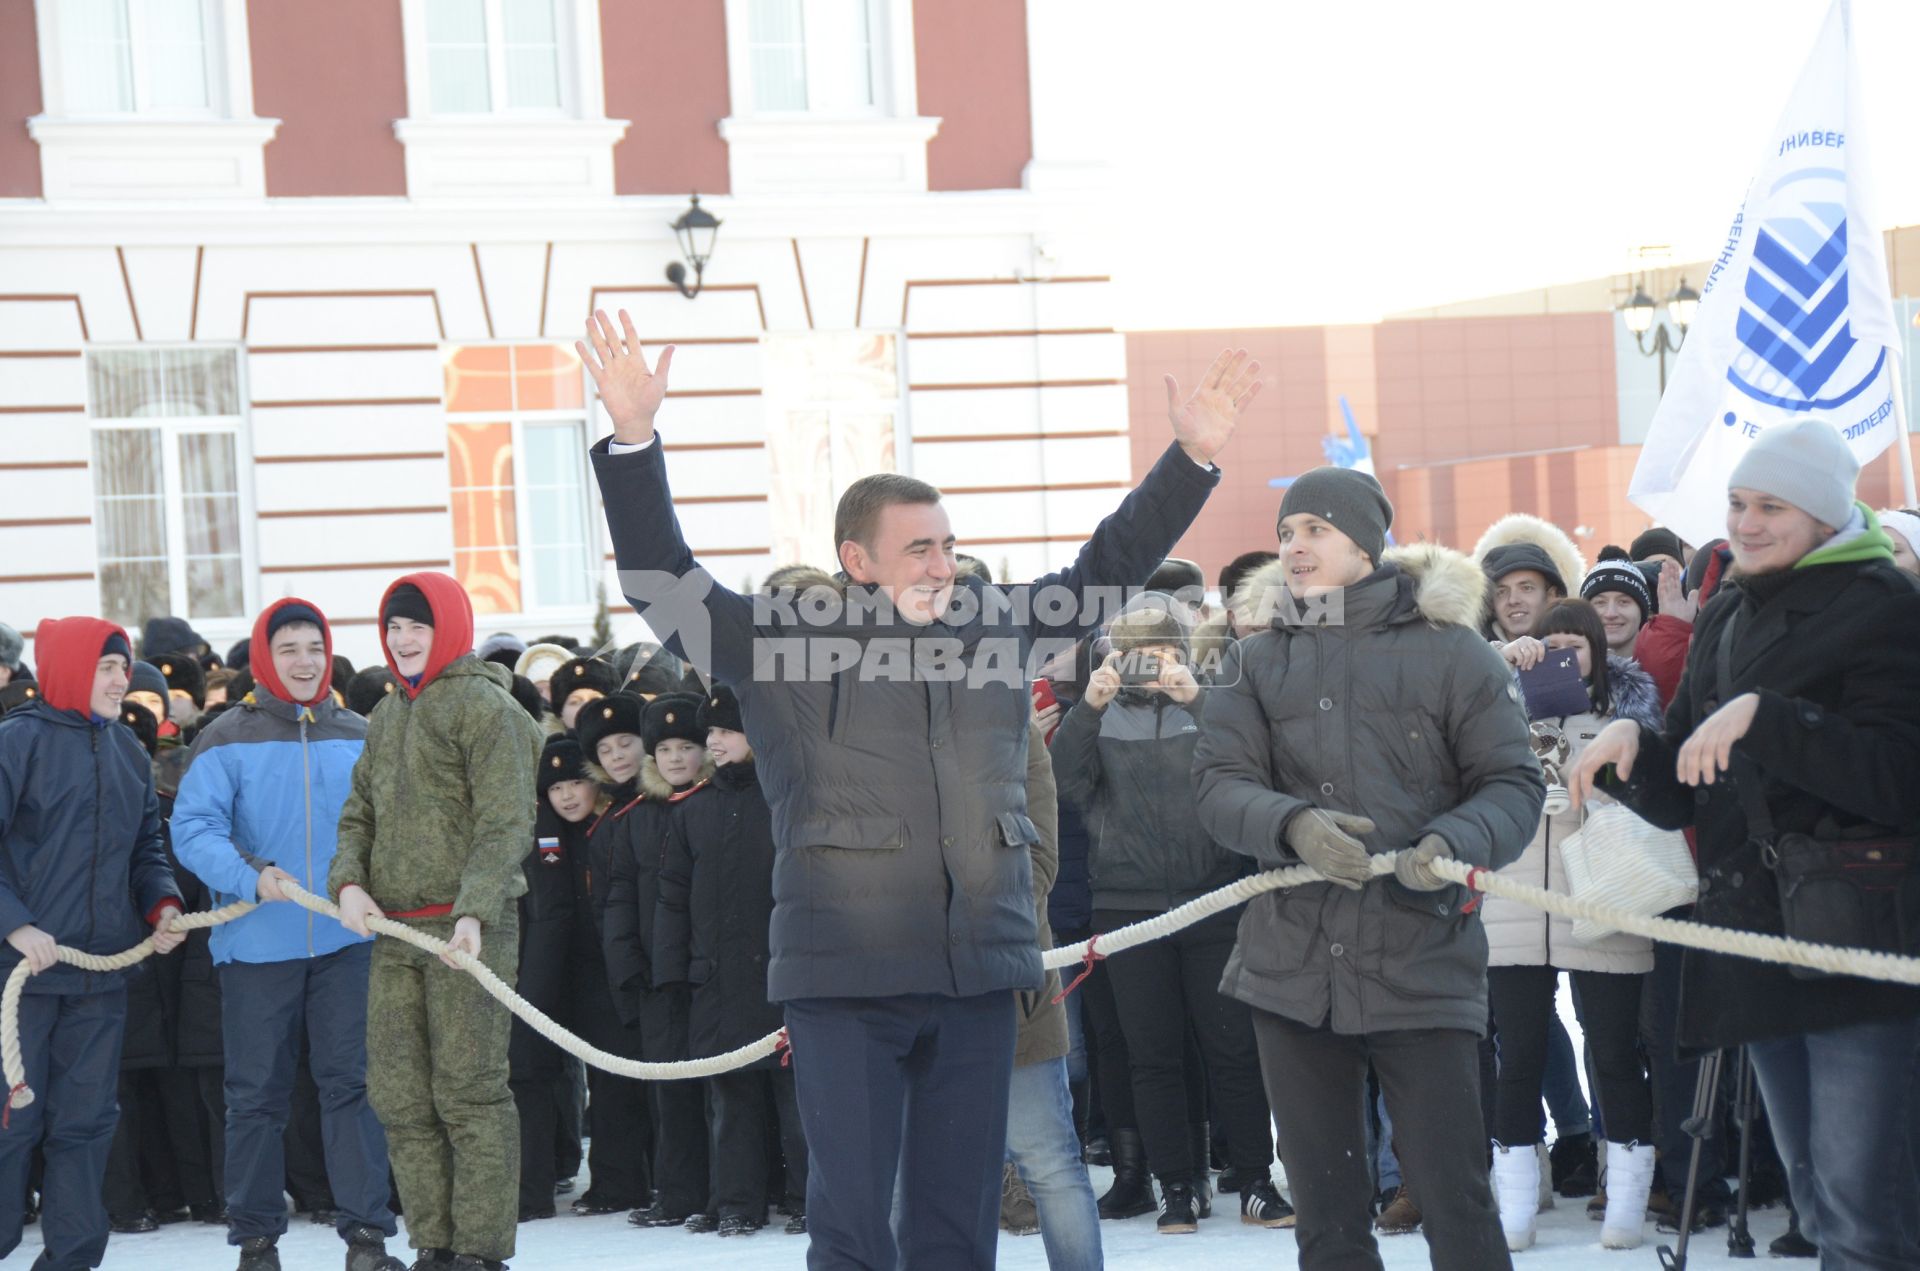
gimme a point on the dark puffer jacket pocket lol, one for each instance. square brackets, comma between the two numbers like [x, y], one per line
[1429, 948]
[859, 833]
[1278, 934]
[1017, 830]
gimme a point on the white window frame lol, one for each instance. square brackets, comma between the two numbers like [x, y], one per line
[171, 428]
[890, 39]
[517, 420]
[582, 87]
[229, 66]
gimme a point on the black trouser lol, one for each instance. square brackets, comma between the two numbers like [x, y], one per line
[1609, 1009]
[679, 1145]
[1674, 1083]
[570, 1089]
[1317, 1082]
[537, 1099]
[1107, 1052]
[742, 1106]
[1160, 989]
[171, 1135]
[618, 1157]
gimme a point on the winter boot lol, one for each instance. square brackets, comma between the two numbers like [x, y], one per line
[739, 1225]
[1261, 1205]
[1201, 1138]
[1018, 1214]
[1399, 1216]
[1629, 1180]
[1791, 1244]
[433, 1260]
[797, 1224]
[1546, 1178]
[1177, 1213]
[257, 1253]
[1516, 1185]
[1131, 1194]
[367, 1250]
[1575, 1172]
[474, 1262]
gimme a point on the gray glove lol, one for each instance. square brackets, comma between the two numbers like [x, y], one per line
[1325, 841]
[1411, 866]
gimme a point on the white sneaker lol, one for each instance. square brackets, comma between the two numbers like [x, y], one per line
[1516, 1186]
[1629, 1180]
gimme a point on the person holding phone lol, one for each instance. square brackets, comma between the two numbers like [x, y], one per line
[1527, 950]
[1125, 756]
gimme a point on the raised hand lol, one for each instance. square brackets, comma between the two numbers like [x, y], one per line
[630, 391]
[1205, 420]
[1674, 600]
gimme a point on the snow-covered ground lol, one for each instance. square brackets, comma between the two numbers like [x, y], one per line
[1568, 1242]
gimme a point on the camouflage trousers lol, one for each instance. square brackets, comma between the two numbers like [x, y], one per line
[437, 1079]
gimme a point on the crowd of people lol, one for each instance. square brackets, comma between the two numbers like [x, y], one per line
[672, 852]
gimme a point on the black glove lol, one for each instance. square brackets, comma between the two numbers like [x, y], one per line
[1325, 841]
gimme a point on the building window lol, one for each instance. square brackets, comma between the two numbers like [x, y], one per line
[523, 540]
[139, 57]
[494, 57]
[814, 56]
[168, 506]
[834, 415]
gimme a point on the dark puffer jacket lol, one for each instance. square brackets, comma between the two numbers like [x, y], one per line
[635, 848]
[898, 796]
[1402, 713]
[81, 855]
[1129, 768]
[1835, 741]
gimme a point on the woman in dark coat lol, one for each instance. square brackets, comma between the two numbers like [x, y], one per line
[1800, 704]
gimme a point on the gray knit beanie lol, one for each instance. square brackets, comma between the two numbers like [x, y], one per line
[12, 647]
[1806, 463]
[1350, 501]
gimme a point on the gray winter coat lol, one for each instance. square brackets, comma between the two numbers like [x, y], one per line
[1129, 768]
[1402, 714]
[898, 797]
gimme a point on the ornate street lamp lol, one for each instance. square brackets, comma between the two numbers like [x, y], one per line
[696, 230]
[1640, 313]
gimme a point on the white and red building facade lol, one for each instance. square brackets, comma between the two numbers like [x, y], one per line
[288, 292]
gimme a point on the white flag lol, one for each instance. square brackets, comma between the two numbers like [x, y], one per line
[1795, 319]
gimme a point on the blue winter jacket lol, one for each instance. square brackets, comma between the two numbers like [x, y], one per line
[266, 787]
[81, 855]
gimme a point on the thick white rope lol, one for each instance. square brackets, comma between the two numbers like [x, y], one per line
[1863, 963]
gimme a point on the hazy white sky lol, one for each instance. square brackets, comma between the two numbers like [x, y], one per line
[1306, 161]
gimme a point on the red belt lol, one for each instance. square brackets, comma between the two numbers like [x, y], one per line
[425, 911]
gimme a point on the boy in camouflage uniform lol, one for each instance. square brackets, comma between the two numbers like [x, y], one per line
[434, 832]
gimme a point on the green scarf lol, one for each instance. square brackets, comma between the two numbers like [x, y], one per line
[1871, 545]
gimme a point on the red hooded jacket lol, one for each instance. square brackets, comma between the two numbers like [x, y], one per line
[452, 626]
[260, 653]
[1662, 648]
[66, 652]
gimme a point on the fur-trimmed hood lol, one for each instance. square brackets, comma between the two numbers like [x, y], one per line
[1519, 527]
[1634, 694]
[651, 783]
[1449, 590]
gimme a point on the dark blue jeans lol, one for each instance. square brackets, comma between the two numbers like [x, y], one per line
[70, 1043]
[262, 1008]
[1841, 1104]
[913, 1088]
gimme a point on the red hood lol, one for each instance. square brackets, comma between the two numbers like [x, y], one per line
[260, 654]
[65, 653]
[452, 626]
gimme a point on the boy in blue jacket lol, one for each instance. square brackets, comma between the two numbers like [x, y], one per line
[81, 865]
[261, 806]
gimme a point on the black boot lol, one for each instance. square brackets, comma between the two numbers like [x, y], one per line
[1792, 1244]
[1201, 1139]
[433, 1260]
[367, 1250]
[1177, 1213]
[1576, 1167]
[1131, 1194]
[257, 1253]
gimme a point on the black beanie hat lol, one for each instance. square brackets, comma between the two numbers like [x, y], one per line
[117, 644]
[183, 671]
[580, 673]
[1658, 541]
[613, 714]
[144, 726]
[343, 673]
[409, 602]
[368, 689]
[1349, 500]
[561, 760]
[145, 677]
[286, 616]
[240, 656]
[1619, 575]
[670, 716]
[720, 710]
